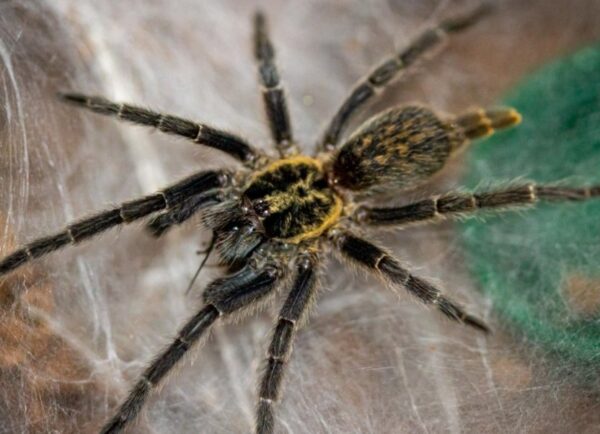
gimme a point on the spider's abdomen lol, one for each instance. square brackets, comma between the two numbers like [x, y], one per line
[293, 200]
[398, 149]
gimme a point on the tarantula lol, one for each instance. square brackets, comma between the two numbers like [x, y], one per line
[272, 220]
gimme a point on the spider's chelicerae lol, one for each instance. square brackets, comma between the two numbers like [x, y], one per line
[273, 219]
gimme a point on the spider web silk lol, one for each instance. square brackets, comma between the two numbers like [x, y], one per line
[95, 314]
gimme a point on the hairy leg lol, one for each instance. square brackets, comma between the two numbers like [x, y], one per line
[223, 297]
[125, 213]
[389, 69]
[273, 92]
[459, 204]
[375, 259]
[291, 315]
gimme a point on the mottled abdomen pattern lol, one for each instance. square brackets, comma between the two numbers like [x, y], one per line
[293, 200]
[399, 148]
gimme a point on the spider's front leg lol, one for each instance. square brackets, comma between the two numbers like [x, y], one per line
[374, 258]
[167, 199]
[273, 91]
[292, 313]
[403, 147]
[224, 296]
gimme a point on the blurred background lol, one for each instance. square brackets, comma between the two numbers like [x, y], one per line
[94, 315]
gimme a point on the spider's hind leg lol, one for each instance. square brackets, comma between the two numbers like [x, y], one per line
[376, 259]
[222, 297]
[292, 313]
[459, 204]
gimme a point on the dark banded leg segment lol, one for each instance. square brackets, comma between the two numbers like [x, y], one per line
[198, 133]
[376, 259]
[273, 92]
[125, 213]
[456, 204]
[189, 334]
[385, 72]
[292, 313]
[227, 296]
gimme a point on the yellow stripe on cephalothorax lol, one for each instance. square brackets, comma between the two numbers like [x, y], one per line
[292, 183]
[331, 219]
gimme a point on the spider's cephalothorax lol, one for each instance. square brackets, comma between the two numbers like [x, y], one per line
[289, 201]
[292, 199]
[272, 219]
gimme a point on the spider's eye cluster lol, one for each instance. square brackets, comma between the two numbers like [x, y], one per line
[261, 208]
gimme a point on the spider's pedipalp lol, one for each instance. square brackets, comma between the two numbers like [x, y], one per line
[273, 92]
[460, 204]
[125, 213]
[389, 69]
[243, 288]
[291, 315]
[374, 258]
[202, 134]
[159, 224]
[237, 231]
[222, 297]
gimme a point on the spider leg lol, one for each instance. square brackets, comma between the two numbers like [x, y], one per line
[273, 92]
[385, 72]
[293, 311]
[222, 297]
[199, 133]
[125, 213]
[458, 204]
[374, 258]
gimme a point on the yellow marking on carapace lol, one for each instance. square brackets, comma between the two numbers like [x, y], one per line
[279, 201]
[332, 218]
